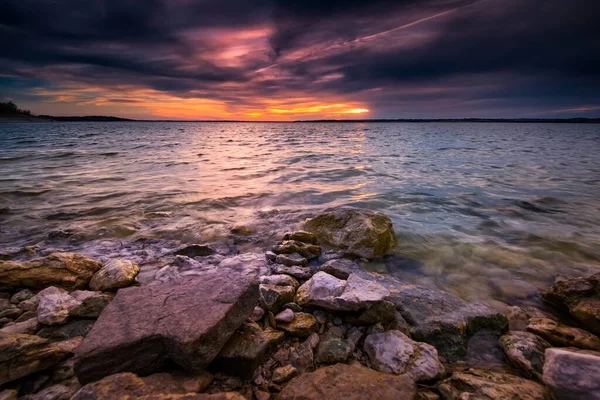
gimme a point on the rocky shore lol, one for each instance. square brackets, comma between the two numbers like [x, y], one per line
[303, 320]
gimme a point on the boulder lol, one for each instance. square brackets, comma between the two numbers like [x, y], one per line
[572, 374]
[301, 236]
[22, 355]
[272, 297]
[187, 322]
[114, 275]
[302, 325]
[396, 353]
[55, 306]
[341, 268]
[526, 352]
[335, 294]
[291, 260]
[563, 335]
[481, 384]
[349, 382]
[308, 251]
[333, 350]
[359, 232]
[580, 297]
[65, 270]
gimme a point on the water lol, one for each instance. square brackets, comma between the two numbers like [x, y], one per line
[488, 212]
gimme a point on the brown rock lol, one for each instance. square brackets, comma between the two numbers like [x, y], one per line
[563, 335]
[301, 236]
[526, 352]
[349, 382]
[187, 322]
[302, 326]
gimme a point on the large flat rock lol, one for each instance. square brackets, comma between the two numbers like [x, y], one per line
[572, 374]
[187, 322]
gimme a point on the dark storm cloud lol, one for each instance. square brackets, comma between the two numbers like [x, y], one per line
[496, 51]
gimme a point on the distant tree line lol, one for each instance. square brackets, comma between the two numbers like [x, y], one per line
[10, 108]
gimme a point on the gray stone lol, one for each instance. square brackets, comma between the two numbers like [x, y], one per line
[91, 303]
[572, 374]
[341, 268]
[23, 295]
[360, 232]
[55, 307]
[186, 322]
[114, 275]
[333, 350]
[291, 260]
[394, 352]
[286, 315]
[526, 352]
[297, 272]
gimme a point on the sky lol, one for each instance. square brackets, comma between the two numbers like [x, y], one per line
[298, 60]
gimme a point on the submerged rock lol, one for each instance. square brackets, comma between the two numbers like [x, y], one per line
[563, 335]
[480, 384]
[195, 250]
[114, 275]
[186, 322]
[22, 355]
[65, 270]
[573, 374]
[526, 352]
[396, 353]
[349, 382]
[359, 232]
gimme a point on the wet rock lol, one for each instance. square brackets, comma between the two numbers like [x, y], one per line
[55, 392]
[580, 297]
[333, 350]
[55, 306]
[394, 352]
[297, 272]
[572, 374]
[526, 352]
[291, 260]
[244, 352]
[114, 275]
[308, 251]
[360, 232]
[334, 294]
[302, 325]
[563, 335]
[284, 374]
[22, 355]
[301, 236]
[257, 314]
[341, 268]
[250, 265]
[272, 297]
[480, 384]
[72, 329]
[195, 250]
[286, 315]
[91, 303]
[186, 322]
[66, 270]
[349, 382]
[29, 327]
[22, 295]
[279, 280]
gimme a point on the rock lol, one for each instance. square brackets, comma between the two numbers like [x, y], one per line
[341, 268]
[286, 315]
[572, 374]
[54, 307]
[23, 295]
[294, 307]
[284, 374]
[65, 270]
[480, 384]
[29, 327]
[114, 275]
[11, 312]
[333, 350]
[273, 335]
[396, 353]
[8, 394]
[272, 297]
[30, 304]
[563, 335]
[257, 314]
[383, 312]
[195, 250]
[363, 233]
[55, 392]
[270, 256]
[518, 319]
[301, 236]
[271, 319]
[329, 292]
[279, 280]
[580, 297]
[186, 322]
[178, 382]
[349, 382]
[27, 316]
[308, 251]
[72, 329]
[91, 303]
[302, 325]
[291, 260]
[303, 357]
[5, 321]
[71, 344]
[250, 265]
[22, 355]
[427, 395]
[243, 353]
[526, 352]
[297, 272]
